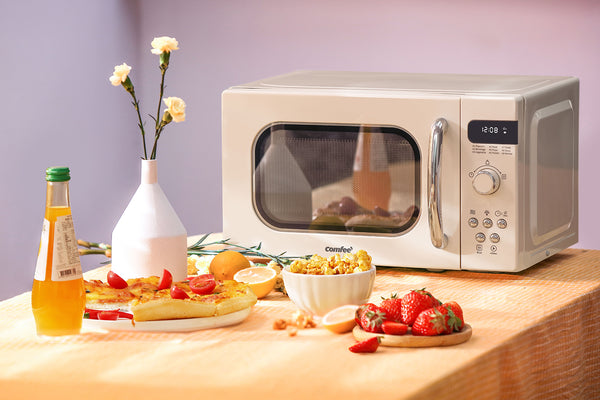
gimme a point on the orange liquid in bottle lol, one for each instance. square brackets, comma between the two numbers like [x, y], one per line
[371, 181]
[372, 189]
[58, 306]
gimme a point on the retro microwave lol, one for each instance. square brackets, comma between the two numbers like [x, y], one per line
[431, 171]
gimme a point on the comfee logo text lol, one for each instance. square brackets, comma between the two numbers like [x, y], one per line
[342, 249]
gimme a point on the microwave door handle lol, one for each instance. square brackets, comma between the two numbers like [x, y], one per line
[438, 239]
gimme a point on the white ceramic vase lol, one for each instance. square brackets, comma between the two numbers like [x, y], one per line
[149, 236]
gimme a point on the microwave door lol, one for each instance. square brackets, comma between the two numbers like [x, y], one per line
[344, 173]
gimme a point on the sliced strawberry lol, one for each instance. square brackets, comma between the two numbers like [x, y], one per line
[392, 307]
[415, 302]
[394, 328]
[366, 346]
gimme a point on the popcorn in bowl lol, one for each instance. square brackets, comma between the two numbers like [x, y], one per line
[334, 265]
[320, 284]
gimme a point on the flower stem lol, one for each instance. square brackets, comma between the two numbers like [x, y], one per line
[136, 104]
[157, 122]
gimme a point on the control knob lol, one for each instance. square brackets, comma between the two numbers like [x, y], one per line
[486, 181]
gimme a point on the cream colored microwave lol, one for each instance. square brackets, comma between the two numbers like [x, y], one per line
[432, 171]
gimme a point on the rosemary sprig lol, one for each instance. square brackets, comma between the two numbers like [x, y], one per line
[199, 248]
[94, 248]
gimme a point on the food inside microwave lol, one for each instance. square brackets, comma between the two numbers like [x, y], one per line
[351, 178]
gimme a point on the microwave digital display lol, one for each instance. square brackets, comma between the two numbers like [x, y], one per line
[351, 178]
[493, 132]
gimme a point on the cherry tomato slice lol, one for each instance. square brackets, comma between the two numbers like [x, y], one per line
[108, 315]
[115, 281]
[166, 280]
[123, 314]
[203, 284]
[90, 313]
[178, 293]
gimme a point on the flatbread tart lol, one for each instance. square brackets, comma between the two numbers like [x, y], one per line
[147, 303]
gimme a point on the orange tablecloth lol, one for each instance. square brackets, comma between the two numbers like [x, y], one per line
[535, 336]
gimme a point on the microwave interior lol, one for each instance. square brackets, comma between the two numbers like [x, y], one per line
[356, 179]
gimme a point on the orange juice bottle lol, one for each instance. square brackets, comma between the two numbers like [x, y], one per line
[58, 293]
[371, 181]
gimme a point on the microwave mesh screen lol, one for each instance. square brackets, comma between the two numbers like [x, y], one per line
[351, 178]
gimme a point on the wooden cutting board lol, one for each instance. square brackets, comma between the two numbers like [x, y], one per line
[409, 340]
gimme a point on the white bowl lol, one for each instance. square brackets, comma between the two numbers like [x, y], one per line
[319, 294]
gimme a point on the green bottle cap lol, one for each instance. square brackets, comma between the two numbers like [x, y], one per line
[58, 174]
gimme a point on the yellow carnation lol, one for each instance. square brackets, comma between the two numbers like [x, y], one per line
[164, 44]
[120, 74]
[175, 107]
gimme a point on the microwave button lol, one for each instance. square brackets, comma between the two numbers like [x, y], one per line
[502, 223]
[488, 223]
[473, 222]
[494, 238]
[486, 181]
[480, 237]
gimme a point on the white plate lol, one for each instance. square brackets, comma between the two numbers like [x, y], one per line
[171, 325]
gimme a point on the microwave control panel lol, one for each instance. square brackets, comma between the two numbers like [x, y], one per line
[488, 193]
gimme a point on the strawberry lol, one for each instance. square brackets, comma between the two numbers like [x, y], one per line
[392, 307]
[430, 322]
[454, 316]
[394, 328]
[362, 309]
[366, 346]
[414, 302]
[372, 319]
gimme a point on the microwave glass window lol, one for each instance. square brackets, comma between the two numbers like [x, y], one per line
[351, 178]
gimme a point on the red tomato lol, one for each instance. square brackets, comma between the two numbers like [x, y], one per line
[90, 313]
[108, 315]
[166, 280]
[127, 315]
[178, 293]
[115, 281]
[203, 284]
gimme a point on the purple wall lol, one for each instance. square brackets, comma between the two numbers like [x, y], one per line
[59, 108]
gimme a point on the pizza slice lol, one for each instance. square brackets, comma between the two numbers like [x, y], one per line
[147, 303]
[228, 296]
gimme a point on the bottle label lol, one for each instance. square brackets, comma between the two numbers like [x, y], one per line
[65, 258]
[378, 154]
[42, 260]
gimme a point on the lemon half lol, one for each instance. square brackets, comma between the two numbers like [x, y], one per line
[340, 319]
[260, 279]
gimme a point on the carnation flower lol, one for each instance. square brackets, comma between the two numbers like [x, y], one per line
[120, 74]
[175, 106]
[164, 44]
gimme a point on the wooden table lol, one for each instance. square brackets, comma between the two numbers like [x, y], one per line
[535, 336]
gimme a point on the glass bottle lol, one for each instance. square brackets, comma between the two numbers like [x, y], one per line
[58, 293]
[371, 181]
